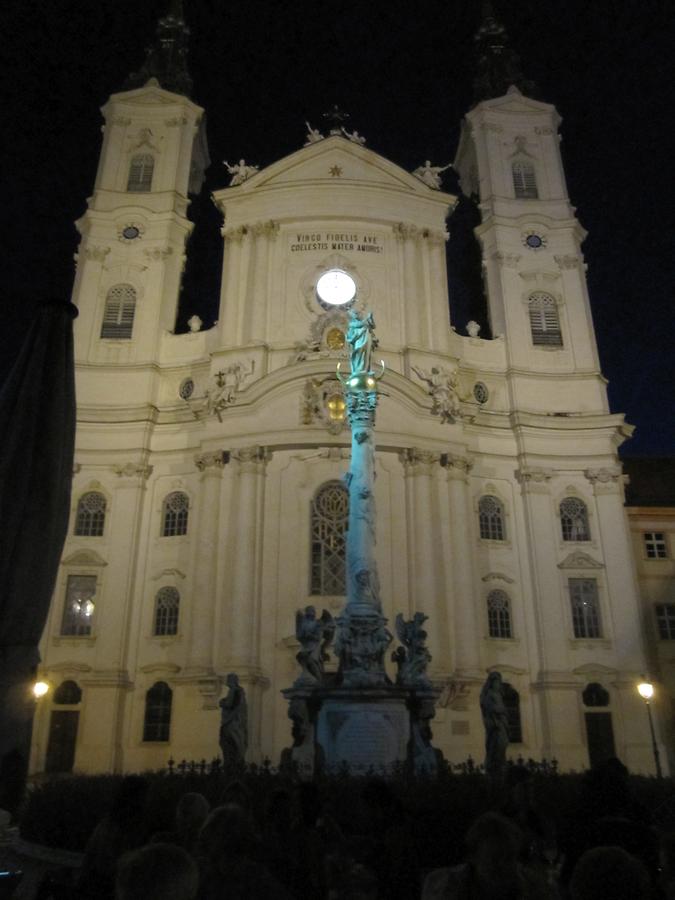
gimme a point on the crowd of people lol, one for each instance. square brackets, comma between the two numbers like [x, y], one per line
[295, 848]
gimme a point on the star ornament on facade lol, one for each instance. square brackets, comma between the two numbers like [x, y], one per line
[335, 171]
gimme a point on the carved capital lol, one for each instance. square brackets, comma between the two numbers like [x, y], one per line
[252, 459]
[417, 461]
[157, 253]
[267, 229]
[234, 234]
[534, 478]
[175, 121]
[408, 231]
[96, 253]
[457, 467]
[212, 461]
[568, 261]
[506, 260]
[606, 480]
[132, 470]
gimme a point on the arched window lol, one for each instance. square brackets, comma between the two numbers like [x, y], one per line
[499, 614]
[595, 695]
[574, 520]
[140, 173]
[175, 514]
[512, 703]
[491, 518]
[167, 603]
[330, 511]
[157, 720]
[118, 316]
[544, 320]
[68, 693]
[524, 181]
[78, 610]
[90, 517]
[585, 607]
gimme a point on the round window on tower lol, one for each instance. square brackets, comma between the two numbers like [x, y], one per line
[480, 392]
[186, 389]
[335, 288]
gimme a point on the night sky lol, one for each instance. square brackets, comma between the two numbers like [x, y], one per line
[261, 69]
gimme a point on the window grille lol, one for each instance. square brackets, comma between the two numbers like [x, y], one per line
[68, 693]
[511, 699]
[499, 614]
[574, 520]
[665, 621]
[524, 181]
[491, 518]
[79, 606]
[90, 517]
[118, 315]
[167, 604]
[585, 607]
[175, 514]
[544, 321]
[157, 720]
[140, 173]
[329, 516]
[655, 545]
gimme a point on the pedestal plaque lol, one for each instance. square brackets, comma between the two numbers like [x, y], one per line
[372, 731]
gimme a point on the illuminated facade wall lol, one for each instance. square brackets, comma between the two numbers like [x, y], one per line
[499, 492]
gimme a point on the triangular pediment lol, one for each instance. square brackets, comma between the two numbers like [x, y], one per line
[83, 558]
[580, 560]
[515, 102]
[150, 94]
[337, 161]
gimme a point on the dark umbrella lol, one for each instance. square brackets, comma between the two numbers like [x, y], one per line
[37, 430]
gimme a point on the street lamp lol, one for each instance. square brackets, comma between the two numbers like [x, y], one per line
[40, 688]
[646, 691]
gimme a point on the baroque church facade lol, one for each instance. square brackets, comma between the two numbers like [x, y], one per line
[208, 497]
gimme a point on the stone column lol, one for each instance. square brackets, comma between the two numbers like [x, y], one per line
[203, 601]
[230, 301]
[466, 631]
[256, 314]
[419, 466]
[438, 291]
[242, 618]
[409, 237]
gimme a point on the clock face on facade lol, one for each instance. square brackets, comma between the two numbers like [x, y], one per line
[336, 287]
[130, 232]
[534, 241]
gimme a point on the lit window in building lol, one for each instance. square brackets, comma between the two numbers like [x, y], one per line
[330, 512]
[78, 610]
[140, 173]
[90, 517]
[655, 545]
[491, 518]
[175, 514]
[120, 309]
[157, 720]
[499, 614]
[544, 321]
[665, 621]
[167, 604]
[524, 181]
[574, 520]
[512, 703]
[585, 607]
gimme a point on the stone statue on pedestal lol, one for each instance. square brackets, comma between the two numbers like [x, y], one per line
[314, 636]
[443, 390]
[413, 657]
[233, 724]
[431, 175]
[362, 341]
[495, 721]
[240, 172]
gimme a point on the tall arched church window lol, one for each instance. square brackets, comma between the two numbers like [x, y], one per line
[499, 614]
[330, 511]
[512, 703]
[118, 315]
[544, 320]
[157, 719]
[78, 610]
[90, 516]
[175, 514]
[585, 607]
[140, 173]
[491, 518]
[167, 604]
[524, 181]
[574, 520]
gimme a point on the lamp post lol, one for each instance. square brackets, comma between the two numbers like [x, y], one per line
[646, 691]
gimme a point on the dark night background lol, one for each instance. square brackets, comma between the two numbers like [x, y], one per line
[404, 72]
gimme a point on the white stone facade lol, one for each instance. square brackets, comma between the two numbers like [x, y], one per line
[253, 444]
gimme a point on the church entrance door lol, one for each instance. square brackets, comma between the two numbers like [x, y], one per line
[62, 736]
[600, 737]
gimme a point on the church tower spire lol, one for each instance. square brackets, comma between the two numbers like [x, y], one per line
[498, 63]
[166, 57]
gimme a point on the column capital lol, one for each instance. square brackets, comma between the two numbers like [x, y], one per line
[212, 461]
[607, 480]
[534, 478]
[135, 472]
[417, 461]
[252, 459]
[456, 467]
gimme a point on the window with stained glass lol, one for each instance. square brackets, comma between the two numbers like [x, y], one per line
[90, 516]
[329, 516]
[499, 614]
[574, 520]
[491, 518]
[175, 514]
[167, 604]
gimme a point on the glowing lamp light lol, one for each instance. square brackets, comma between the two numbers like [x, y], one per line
[88, 608]
[646, 690]
[40, 688]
